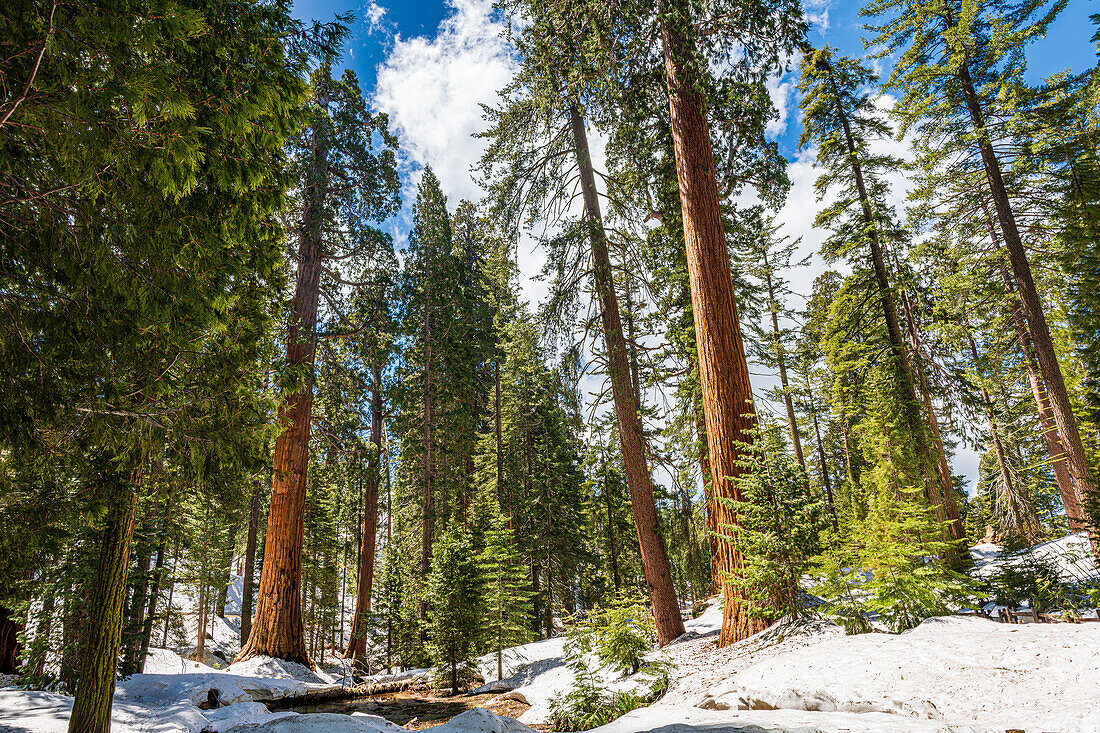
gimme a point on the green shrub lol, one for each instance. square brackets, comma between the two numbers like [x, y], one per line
[619, 634]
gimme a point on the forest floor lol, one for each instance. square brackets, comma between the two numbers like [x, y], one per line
[958, 674]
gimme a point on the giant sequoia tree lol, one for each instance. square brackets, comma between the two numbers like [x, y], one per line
[346, 178]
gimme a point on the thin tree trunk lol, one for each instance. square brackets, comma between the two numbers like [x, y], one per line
[792, 422]
[1015, 497]
[357, 644]
[658, 572]
[135, 614]
[951, 507]
[1033, 308]
[825, 471]
[1052, 438]
[103, 628]
[614, 552]
[723, 367]
[250, 562]
[154, 593]
[226, 576]
[171, 590]
[277, 629]
[36, 664]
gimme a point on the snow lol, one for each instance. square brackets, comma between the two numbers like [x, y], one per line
[958, 674]
[1071, 555]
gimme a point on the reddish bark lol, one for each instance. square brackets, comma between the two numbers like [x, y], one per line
[723, 367]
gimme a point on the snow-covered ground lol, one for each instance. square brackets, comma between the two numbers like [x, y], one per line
[1071, 555]
[957, 674]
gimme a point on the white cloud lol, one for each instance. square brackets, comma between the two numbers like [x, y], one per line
[373, 14]
[432, 89]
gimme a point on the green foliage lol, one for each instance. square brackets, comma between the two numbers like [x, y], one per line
[456, 608]
[888, 568]
[619, 634]
[781, 519]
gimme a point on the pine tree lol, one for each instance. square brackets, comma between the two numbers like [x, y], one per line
[455, 604]
[504, 594]
[957, 67]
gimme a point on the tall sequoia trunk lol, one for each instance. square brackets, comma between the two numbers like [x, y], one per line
[102, 632]
[250, 562]
[792, 422]
[277, 629]
[723, 367]
[658, 572]
[357, 644]
[1029, 298]
[944, 504]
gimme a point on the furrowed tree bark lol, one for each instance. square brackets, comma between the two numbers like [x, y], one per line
[102, 633]
[792, 422]
[357, 644]
[723, 367]
[277, 628]
[658, 571]
[1029, 297]
[250, 561]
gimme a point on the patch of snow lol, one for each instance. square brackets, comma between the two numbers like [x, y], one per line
[1071, 555]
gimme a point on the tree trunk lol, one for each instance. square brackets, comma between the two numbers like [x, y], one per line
[723, 367]
[135, 614]
[227, 573]
[950, 506]
[103, 627]
[36, 664]
[10, 628]
[1051, 437]
[825, 471]
[1033, 308]
[250, 562]
[1022, 515]
[357, 645]
[277, 629]
[658, 572]
[154, 593]
[792, 422]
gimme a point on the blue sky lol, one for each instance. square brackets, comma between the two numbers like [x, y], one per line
[429, 64]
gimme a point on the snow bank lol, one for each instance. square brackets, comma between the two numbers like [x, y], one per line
[965, 673]
[1070, 554]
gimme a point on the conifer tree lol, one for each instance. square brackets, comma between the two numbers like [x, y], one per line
[346, 175]
[454, 598]
[957, 65]
[839, 118]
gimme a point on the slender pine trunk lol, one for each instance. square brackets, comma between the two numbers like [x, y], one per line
[658, 571]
